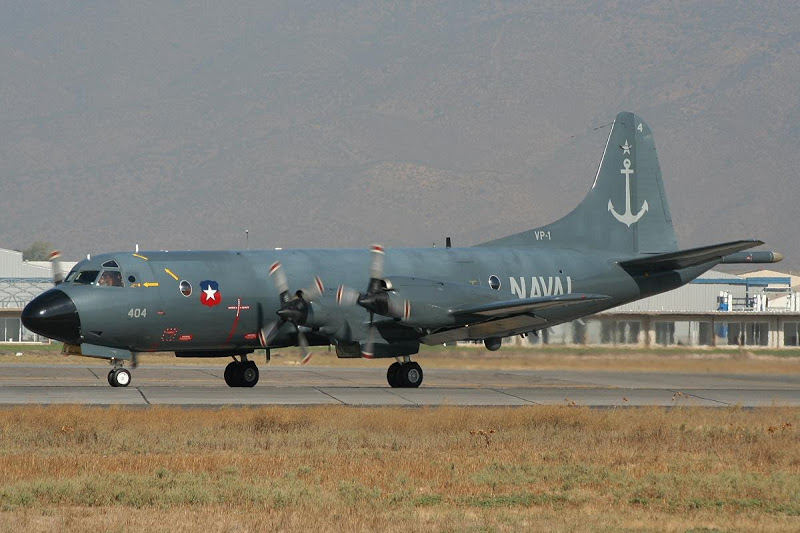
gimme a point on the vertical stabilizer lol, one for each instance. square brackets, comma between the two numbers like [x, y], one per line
[625, 211]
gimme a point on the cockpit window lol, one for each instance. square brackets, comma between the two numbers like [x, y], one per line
[111, 264]
[86, 277]
[70, 276]
[110, 278]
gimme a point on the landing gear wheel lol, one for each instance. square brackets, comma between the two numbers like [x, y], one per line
[111, 378]
[411, 375]
[241, 374]
[393, 375]
[119, 377]
[232, 372]
[248, 374]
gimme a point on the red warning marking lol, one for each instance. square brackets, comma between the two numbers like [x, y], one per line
[238, 307]
[169, 335]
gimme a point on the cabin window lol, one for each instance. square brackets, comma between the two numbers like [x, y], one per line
[110, 278]
[86, 277]
[185, 288]
[494, 282]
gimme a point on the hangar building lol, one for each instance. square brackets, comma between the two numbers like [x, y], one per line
[758, 309]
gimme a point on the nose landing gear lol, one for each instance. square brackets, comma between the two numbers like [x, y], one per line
[118, 376]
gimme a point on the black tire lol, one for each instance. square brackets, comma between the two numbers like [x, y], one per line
[411, 375]
[248, 374]
[231, 372]
[393, 374]
[111, 378]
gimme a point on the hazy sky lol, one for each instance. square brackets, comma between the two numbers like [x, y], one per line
[318, 124]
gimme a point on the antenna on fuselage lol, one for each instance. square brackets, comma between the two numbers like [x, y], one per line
[137, 247]
[247, 238]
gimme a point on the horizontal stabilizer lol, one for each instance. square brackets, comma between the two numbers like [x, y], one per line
[687, 258]
[529, 305]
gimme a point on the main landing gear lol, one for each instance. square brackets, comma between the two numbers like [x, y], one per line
[406, 374]
[118, 376]
[242, 373]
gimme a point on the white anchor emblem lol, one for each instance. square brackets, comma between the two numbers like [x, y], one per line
[627, 217]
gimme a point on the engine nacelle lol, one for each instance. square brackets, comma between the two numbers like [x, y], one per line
[419, 301]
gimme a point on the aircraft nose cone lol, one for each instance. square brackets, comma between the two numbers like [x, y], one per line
[53, 315]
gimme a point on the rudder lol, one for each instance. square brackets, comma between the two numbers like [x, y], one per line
[626, 210]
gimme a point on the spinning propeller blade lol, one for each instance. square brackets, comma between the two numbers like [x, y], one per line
[55, 265]
[302, 342]
[376, 299]
[293, 310]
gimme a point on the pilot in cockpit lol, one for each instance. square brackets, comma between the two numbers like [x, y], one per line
[110, 278]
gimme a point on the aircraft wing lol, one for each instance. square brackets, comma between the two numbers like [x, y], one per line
[506, 318]
[686, 258]
[529, 305]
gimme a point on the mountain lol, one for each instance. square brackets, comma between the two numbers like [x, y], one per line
[325, 124]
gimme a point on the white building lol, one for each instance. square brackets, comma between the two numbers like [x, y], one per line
[20, 282]
[760, 309]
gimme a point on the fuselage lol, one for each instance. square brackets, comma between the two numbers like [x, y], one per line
[218, 300]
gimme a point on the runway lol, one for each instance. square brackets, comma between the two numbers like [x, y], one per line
[280, 385]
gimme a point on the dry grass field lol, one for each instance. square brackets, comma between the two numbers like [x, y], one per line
[399, 470]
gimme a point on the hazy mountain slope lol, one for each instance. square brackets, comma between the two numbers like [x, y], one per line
[180, 125]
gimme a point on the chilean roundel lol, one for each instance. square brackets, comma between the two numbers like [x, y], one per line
[210, 294]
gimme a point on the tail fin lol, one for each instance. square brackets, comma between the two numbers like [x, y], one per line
[626, 210]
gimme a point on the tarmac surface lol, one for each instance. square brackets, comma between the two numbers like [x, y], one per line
[203, 386]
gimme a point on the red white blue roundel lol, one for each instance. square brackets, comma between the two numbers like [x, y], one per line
[210, 294]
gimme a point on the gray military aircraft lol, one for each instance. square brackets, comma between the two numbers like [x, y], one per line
[617, 246]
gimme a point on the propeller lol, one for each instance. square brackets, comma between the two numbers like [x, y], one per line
[376, 299]
[293, 309]
[55, 265]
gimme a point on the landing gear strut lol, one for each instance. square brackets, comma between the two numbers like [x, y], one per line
[407, 374]
[118, 376]
[242, 373]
